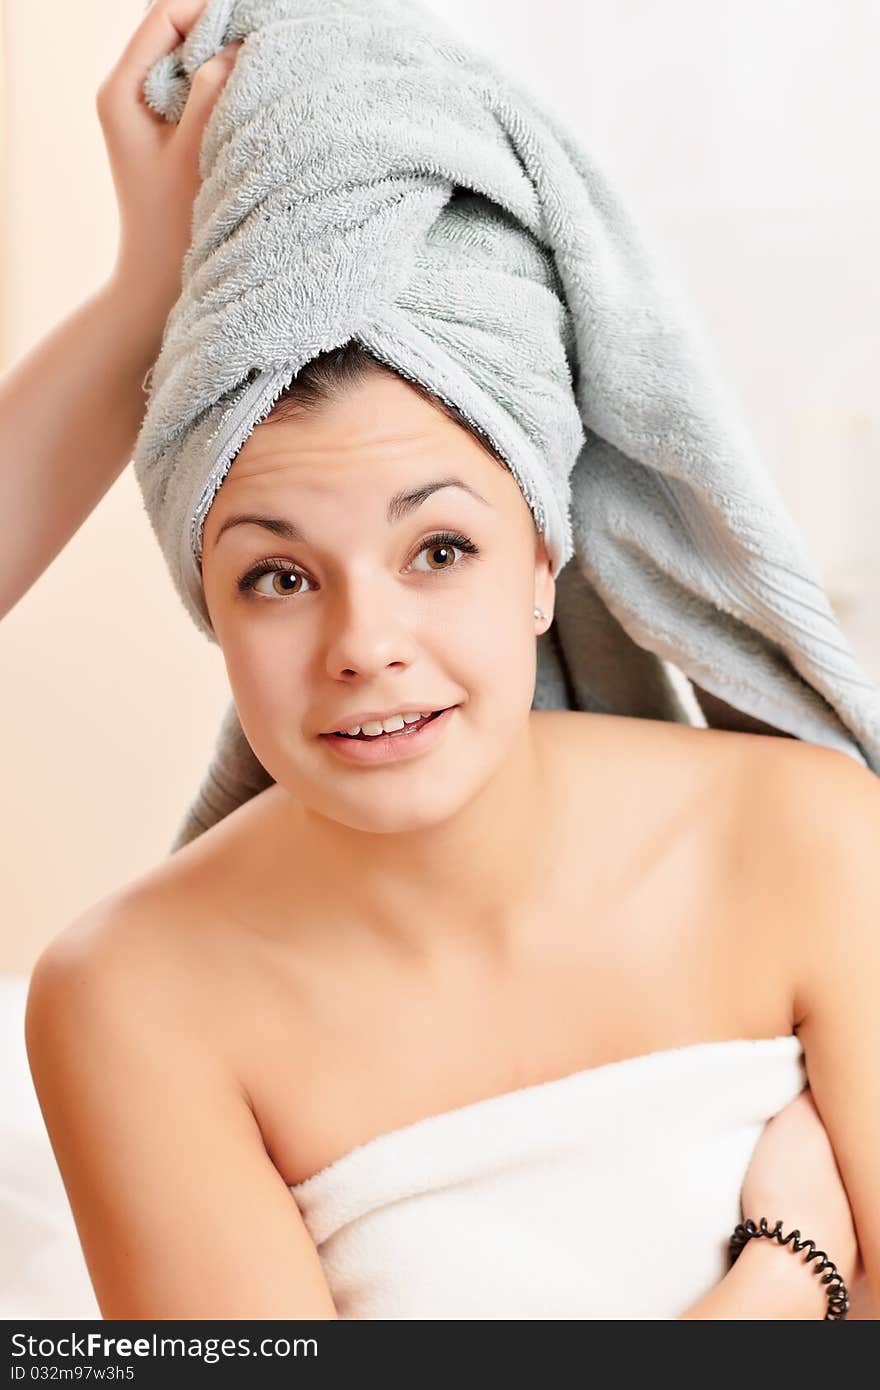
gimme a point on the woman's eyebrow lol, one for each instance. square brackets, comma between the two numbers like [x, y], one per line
[399, 506]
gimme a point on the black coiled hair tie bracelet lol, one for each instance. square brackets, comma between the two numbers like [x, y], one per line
[838, 1297]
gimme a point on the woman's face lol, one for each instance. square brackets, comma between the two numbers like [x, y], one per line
[365, 606]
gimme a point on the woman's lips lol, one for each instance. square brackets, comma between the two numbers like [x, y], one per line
[412, 740]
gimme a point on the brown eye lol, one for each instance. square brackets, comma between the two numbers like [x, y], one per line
[278, 581]
[284, 582]
[441, 556]
[440, 551]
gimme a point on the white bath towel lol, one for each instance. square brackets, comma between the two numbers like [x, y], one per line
[609, 1193]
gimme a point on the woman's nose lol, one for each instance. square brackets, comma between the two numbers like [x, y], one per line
[367, 631]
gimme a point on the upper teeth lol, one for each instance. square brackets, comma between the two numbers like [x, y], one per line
[374, 727]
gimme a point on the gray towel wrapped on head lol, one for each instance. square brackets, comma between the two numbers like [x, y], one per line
[369, 176]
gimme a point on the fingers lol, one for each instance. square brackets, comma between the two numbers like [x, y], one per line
[164, 26]
[208, 79]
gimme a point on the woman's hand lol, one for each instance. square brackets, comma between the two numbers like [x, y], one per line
[154, 163]
[793, 1178]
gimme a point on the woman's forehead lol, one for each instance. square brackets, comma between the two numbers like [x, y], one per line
[339, 451]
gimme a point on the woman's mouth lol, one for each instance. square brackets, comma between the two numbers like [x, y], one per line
[399, 746]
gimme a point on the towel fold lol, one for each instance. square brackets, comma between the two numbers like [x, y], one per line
[610, 1193]
[368, 175]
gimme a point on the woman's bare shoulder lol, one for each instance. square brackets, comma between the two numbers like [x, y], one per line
[772, 806]
[143, 959]
[827, 808]
[807, 793]
[127, 933]
[808, 828]
[156, 926]
[663, 755]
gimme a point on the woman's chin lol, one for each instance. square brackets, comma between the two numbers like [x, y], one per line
[398, 819]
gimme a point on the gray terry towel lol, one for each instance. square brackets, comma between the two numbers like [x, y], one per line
[368, 175]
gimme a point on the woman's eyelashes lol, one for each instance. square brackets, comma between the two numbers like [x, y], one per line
[442, 543]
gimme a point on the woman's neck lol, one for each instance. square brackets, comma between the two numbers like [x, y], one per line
[468, 882]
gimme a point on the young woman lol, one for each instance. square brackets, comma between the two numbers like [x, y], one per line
[432, 922]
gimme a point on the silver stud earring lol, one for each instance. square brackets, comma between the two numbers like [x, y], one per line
[537, 612]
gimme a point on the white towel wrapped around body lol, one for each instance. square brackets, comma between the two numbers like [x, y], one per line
[610, 1193]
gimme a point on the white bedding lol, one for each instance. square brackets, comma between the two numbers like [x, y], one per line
[42, 1270]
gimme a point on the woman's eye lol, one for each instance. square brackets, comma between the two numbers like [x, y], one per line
[443, 546]
[281, 580]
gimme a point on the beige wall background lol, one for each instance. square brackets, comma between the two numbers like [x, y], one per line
[744, 137]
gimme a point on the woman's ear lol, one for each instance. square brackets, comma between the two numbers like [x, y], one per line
[545, 584]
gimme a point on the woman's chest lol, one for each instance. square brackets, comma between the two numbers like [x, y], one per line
[630, 954]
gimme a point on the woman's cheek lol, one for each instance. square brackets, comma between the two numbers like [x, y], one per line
[267, 685]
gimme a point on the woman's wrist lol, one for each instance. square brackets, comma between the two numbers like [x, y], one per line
[779, 1276]
[765, 1283]
[140, 311]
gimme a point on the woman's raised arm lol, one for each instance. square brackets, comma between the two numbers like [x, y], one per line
[70, 412]
[71, 408]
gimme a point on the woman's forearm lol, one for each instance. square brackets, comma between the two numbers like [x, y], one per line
[70, 411]
[767, 1281]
